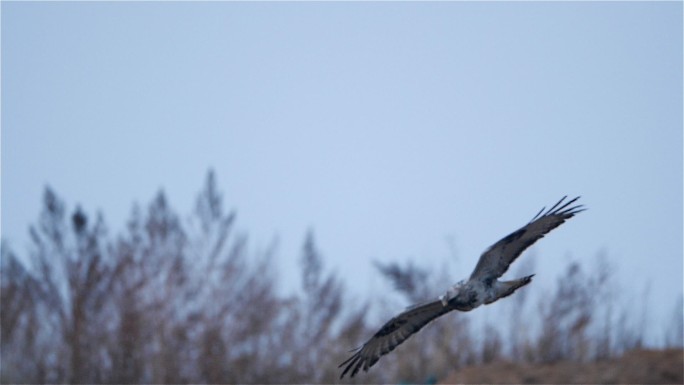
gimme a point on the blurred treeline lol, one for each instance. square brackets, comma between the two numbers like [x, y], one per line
[187, 301]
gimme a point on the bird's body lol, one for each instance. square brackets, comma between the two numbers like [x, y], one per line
[483, 287]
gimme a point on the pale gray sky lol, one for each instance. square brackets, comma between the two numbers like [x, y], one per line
[386, 127]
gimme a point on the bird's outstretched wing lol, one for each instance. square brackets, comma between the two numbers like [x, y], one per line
[495, 261]
[392, 334]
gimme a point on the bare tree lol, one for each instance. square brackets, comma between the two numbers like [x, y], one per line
[315, 318]
[566, 317]
[519, 333]
[71, 288]
[18, 320]
[674, 335]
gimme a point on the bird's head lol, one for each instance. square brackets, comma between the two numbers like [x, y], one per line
[452, 292]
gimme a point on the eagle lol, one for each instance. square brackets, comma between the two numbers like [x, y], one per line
[483, 287]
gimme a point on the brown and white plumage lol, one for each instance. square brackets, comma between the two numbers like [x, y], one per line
[481, 288]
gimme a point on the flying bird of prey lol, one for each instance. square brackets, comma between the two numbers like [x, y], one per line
[483, 287]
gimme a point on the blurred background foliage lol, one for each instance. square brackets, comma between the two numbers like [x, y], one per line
[173, 300]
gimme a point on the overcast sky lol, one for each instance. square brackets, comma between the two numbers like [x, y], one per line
[395, 131]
